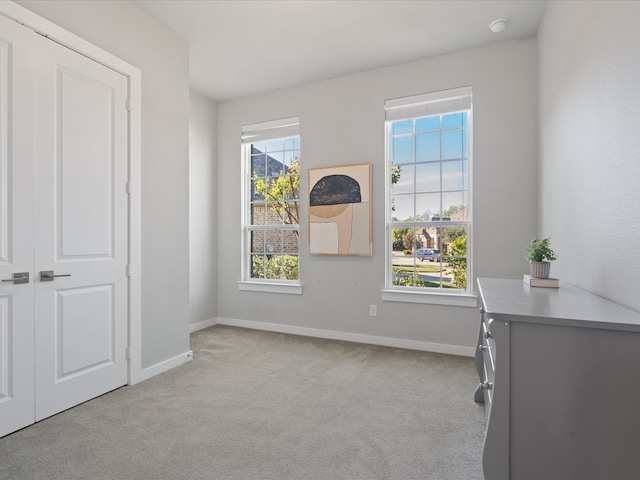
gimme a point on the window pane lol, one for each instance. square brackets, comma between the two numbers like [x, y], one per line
[454, 201]
[453, 175]
[292, 157]
[273, 242]
[452, 144]
[259, 147]
[401, 127]
[257, 241]
[428, 124]
[428, 177]
[421, 265]
[279, 213]
[291, 243]
[258, 214]
[276, 162]
[428, 204]
[285, 212]
[404, 242]
[273, 215]
[427, 147]
[455, 243]
[465, 144]
[282, 267]
[275, 145]
[402, 150]
[397, 239]
[257, 266]
[290, 143]
[401, 208]
[465, 176]
[456, 212]
[406, 180]
[274, 255]
[258, 164]
[454, 120]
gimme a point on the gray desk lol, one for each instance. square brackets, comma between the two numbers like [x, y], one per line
[560, 378]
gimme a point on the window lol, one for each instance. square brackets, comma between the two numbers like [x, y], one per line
[428, 223]
[271, 194]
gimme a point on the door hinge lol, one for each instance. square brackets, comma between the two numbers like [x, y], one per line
[127, 353]
[128, 104]
[127, 270]
[127, 186]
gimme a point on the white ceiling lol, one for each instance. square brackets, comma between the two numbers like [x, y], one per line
[243, 47]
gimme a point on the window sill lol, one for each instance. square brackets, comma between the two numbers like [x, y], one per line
[287, 288]
[452, 299]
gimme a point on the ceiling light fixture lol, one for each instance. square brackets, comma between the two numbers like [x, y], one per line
[499, 25]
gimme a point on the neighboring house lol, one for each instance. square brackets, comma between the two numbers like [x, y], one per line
[431, 238]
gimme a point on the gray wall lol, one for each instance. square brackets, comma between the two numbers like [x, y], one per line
[342, 122]
[590, 144]
[202, 210]
[127, 32]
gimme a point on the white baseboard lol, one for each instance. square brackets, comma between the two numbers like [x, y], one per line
[351, 337]
[178, 360]
[200, 325]
[164, 366]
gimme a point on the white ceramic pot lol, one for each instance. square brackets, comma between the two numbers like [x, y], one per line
[540, 269]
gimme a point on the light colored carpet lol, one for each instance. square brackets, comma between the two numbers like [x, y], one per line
[264, 405]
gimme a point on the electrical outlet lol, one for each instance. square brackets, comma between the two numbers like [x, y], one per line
[373, 310]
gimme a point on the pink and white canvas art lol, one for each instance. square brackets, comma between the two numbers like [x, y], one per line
[340, 210]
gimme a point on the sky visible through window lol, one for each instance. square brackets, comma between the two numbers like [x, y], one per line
[432, 153]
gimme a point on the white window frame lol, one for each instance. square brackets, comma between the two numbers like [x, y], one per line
[264, 131]
[436, 103]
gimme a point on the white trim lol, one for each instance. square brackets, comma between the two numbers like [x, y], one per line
[194, 327]
[293, 289]
[443, 102]
[287, 127]
[351, 337]
[77, 44]
[58, 34]
[135, 226]
[282, 122]
[456, 300]
[426, 104]
[165, 365]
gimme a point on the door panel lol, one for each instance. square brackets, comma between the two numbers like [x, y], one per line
[84, 166]
[84, 318]
[16, 226]
[81, 228]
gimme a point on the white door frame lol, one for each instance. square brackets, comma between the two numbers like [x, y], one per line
[134, 76]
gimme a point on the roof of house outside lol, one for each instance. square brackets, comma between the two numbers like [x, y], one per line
[270, 168]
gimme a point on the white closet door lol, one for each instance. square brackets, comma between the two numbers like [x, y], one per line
[16, 227]
[81, 228]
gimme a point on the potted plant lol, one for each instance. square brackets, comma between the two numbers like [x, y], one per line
[540, 256]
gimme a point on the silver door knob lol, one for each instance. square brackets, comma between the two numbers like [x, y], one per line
[48, 276]
[21, 277]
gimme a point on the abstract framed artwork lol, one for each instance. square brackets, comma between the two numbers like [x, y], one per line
[340, 210]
